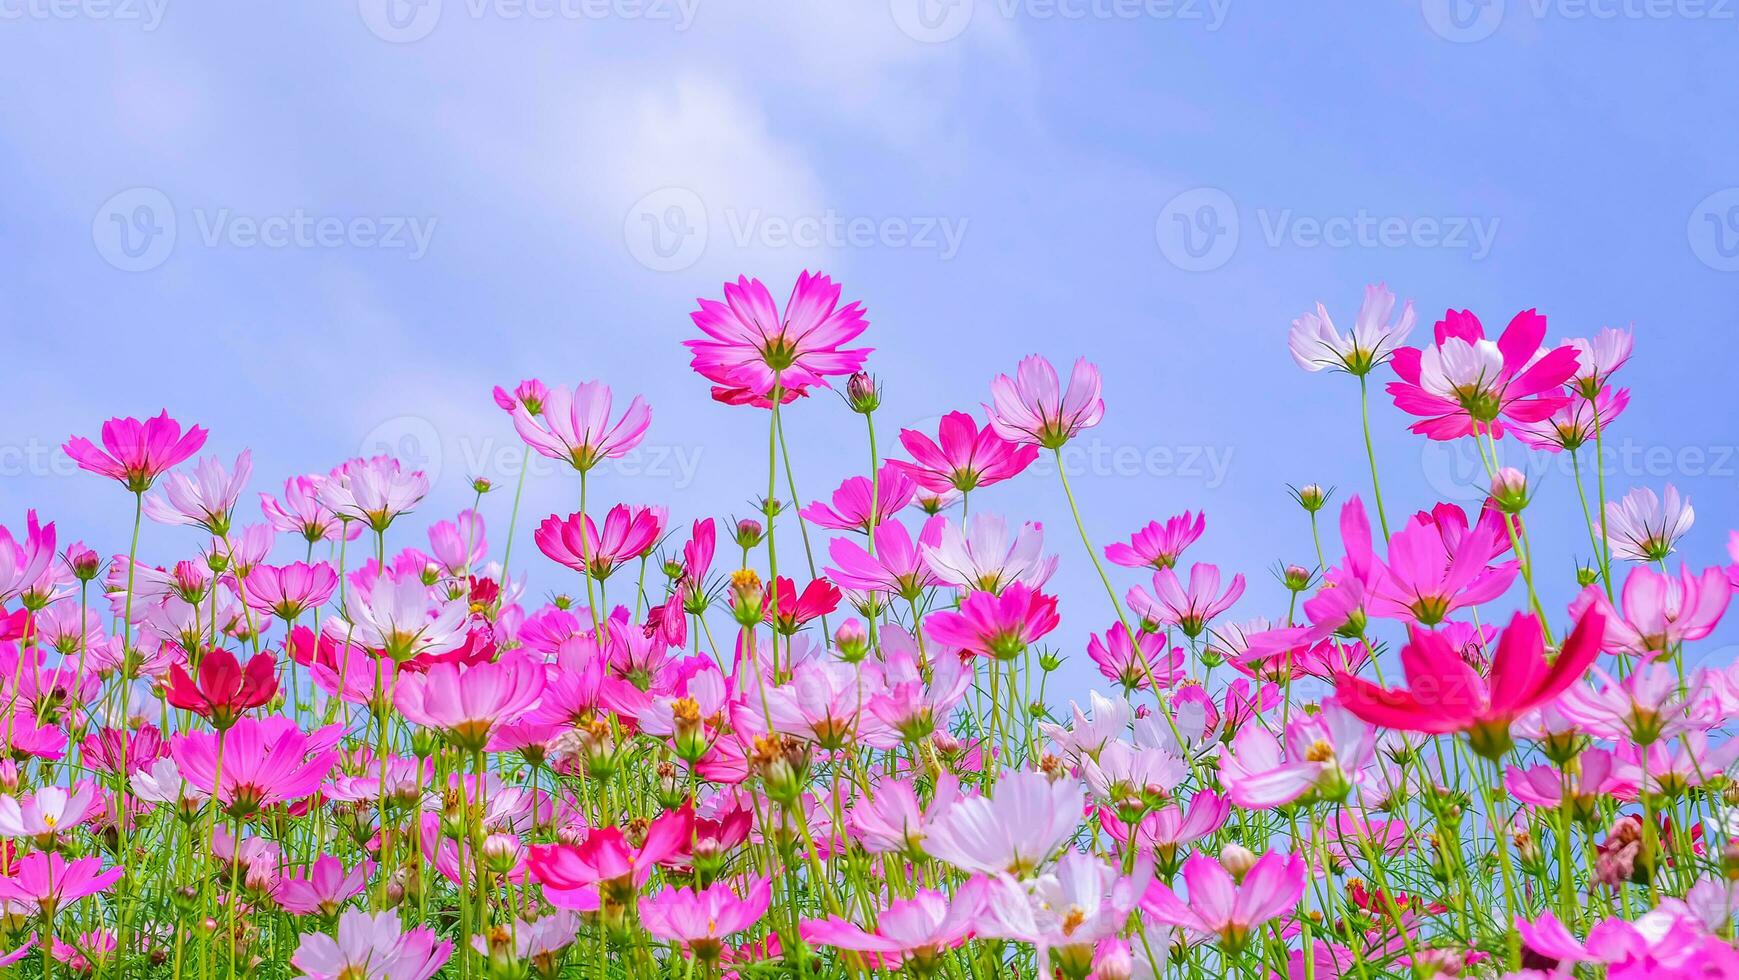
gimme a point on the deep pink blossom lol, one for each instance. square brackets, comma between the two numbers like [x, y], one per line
[751, 348]
[963, 457]
[136, 453]
[1464, 383]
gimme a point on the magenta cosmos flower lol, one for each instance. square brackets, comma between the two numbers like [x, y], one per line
[963, 457]
[1032, 407]
[701, 918]
[1189, 608]
[264, 762]
[750, 348]
[1464, 383]
[466, 702]
[629, 532]
[998, 626]
[1446, 694]
[1228, 910]
[22, 563]
[326, 888]
[1158, 545]
[1657, 611]
[288, 591]
[50, 882]
[136, 453]
[575, 427]
[852, 507]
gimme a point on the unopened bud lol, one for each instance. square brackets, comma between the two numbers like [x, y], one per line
[862, 394]
[1312, 497]
[852, 640]
[1237, 860]
[1509, 490]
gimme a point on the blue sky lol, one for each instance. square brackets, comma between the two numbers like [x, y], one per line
[323, 229]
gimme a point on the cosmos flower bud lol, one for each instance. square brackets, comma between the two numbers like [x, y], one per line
[1296, 578]
[1312, 497]
[1049, 662]
[771, 507]
[84, 562]
[852, 640]
[746, 596]
[1587, 575]
[862, 393]
[481, 484]
[673, 569]
[425, 743]
[9, 780]
[1509, 490]
[749, 533]
[783, 765]
[501, 852]
[1237, 860]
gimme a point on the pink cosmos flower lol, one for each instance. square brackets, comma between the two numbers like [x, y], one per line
[892, 491]
[301, 512]
[1599, 358]
[1024, 820]
[1543, 785]
[136, 453]
[892, 820]
[1135, 665]
[50, 811]
[1124, 775]
[1445, 694]
[1032, 409]
[997, 626]
[1427, 576]
[1065, 913]
[264, 762]
[398, 617]
[326, 888]
[963, 457]
[795, 610]
[529, 394]
[375, 491]
[1167, 830]
[288, 591]
[372, 947]
[1642, 527]
[459, 545]
[978, 554]
[465, 702]
[897, 567]
[750, 348]
[1669, 768]
[575, 428]
[1158, 545]
[1660, 612]
[51, 883]
[917, 931]
[628, 533]
[22, 564]
[1464, 383]
[1576, 423]
[1326, 753]
[572, 873]
[1316, 344]
[205, 499]
[1224, 909]
[1189, 609]
[1650, 704]
[915, 704]
[699, 919]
